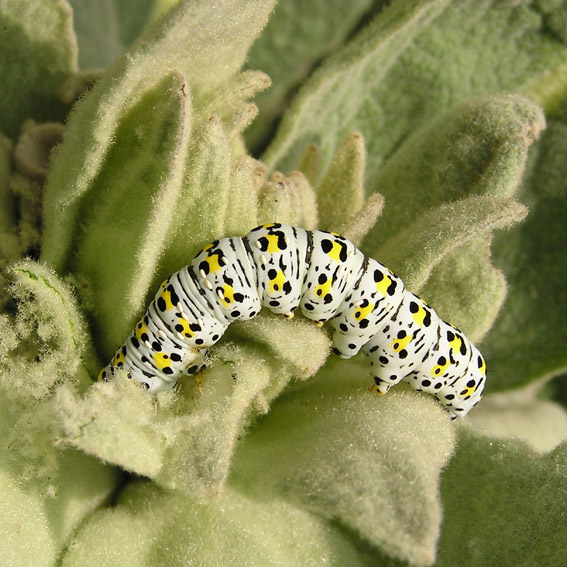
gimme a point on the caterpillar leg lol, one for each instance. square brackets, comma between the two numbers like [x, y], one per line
[380, 386]
[198, 377]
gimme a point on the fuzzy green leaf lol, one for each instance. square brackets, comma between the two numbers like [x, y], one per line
[65, 348]
[298, 343]
[125, 203]
[466, 289]
[528, 339]
[36, 521]
[34, 60]
[504, 505]
[310, 163]
[185, 441]
[341, 191]
[104, 28]
[46, 491]
[415, 60]
[204, 43]
[298, 34]
[151, 527]
[360, 223]
[480, 147]
[415, 251]
[334, 102]
[372, 463]
[477, 150]
[519, 414]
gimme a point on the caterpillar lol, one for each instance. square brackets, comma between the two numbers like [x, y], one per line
[283, 267]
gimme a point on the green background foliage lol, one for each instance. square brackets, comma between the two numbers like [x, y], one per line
[433, 133]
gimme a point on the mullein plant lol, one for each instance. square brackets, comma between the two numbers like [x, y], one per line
[133, 132]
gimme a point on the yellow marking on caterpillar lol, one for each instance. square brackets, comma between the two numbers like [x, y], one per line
[166, 296]
[483, 367]
[439, 369]
[383, 285]
[141, 329]
[272, 243]
[161, 359]
[467, 391]
[278, 281]
[400, 344]
[100, 375]
[323, 289]
[186, 328]
[118, 357]
[361, 313]
[227, 295]
[419, 317]
[335, 252]
[456, 343]
[213, 261]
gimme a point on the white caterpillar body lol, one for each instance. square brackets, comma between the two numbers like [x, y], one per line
[282, 267]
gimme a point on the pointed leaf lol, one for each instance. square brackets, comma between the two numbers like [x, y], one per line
[479, 147]
[360, 223]
[129, 209]
[309, 164]
[414, 251]
[289, 200]
[341, 191]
